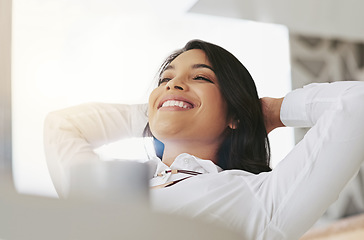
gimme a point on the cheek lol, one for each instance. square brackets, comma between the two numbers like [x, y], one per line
[152, 101]
[152, 108]
[215, 102]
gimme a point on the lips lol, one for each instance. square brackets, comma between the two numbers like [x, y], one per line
[176, 102]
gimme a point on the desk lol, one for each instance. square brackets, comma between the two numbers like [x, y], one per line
[40, 218]
[348, 228]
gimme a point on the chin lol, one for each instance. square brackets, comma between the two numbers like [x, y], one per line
[168, 126]
[166, 134]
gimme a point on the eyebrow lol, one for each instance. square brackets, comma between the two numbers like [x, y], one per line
[202, 66]
[195, 66]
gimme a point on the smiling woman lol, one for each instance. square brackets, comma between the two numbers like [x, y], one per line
[215, 162]
[190, 128]
[216, 126]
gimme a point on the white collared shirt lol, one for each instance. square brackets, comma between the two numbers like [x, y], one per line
[183, 161]
[281, 204]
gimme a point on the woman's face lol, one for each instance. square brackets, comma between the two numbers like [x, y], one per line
[188, 104]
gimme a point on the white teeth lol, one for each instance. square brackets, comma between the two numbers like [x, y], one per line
[171, 103]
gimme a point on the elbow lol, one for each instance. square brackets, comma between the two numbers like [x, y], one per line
[352, 109]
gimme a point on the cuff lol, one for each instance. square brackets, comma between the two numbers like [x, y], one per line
[293, 110]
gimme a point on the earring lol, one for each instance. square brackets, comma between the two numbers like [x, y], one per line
[234, 124]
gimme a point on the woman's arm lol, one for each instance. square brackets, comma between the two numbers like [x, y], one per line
[310, 178]
[71, 135]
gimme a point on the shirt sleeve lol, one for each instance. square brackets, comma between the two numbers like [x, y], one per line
[303, 185]
[71, 134]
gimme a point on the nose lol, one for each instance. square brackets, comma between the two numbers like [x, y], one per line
[177, 84]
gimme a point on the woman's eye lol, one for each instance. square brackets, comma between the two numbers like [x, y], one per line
[202, 78]
[164, 80]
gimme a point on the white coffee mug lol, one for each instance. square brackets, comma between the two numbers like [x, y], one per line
[112, 181]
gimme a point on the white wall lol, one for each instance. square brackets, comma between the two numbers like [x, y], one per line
[70, 52]
[339, 19]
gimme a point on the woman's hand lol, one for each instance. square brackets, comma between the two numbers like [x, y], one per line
[271, 111]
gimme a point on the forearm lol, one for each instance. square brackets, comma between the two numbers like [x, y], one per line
[71, 135]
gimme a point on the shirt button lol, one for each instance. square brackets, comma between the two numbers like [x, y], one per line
[187, 161]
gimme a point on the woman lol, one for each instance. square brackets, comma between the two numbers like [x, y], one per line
[228, 112]
[215, 163]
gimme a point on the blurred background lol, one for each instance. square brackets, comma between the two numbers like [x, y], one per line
[59, 53]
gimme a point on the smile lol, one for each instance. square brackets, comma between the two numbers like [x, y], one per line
[176, 103]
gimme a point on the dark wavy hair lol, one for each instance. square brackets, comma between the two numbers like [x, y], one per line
[247, 146]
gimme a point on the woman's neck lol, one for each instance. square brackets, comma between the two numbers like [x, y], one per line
[203, 151]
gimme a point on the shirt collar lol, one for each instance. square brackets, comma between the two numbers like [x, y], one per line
[186, 161]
